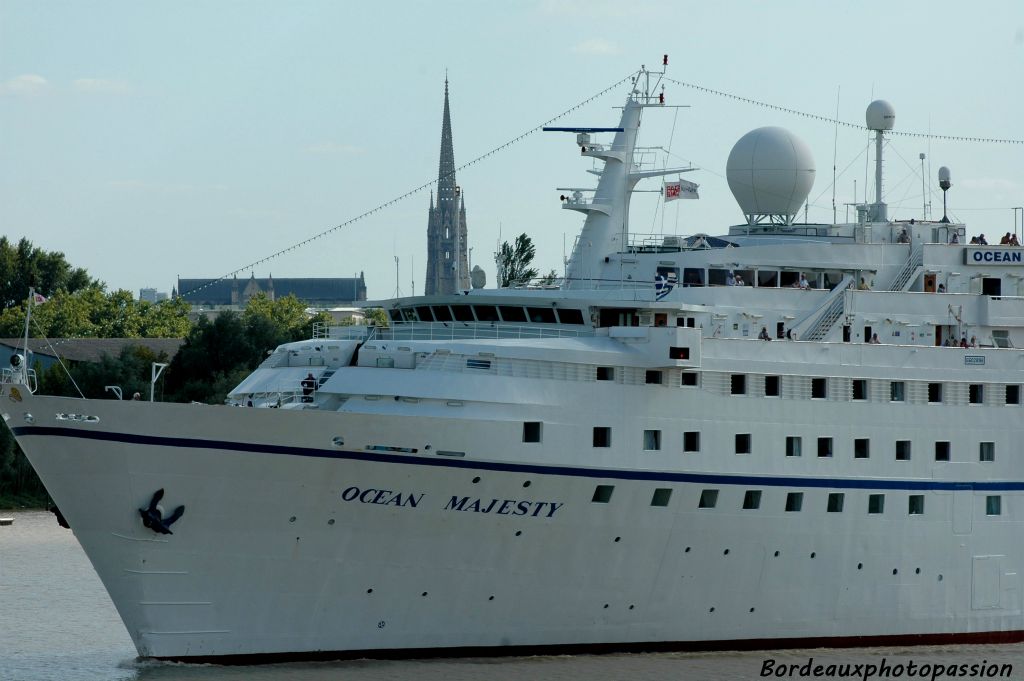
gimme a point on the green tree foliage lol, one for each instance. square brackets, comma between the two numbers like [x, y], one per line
[24, 265]
[514, 261]
[218, 354]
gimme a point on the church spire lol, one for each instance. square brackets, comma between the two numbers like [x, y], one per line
[446, 166]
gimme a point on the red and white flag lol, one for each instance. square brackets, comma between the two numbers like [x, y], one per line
[680, 189]
[39, 298]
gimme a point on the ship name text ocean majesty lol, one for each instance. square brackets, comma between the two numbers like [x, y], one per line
[465, 504]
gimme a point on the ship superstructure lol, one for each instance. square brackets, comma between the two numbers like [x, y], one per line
[755, 439]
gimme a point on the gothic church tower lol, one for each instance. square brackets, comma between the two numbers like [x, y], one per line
[447, 259]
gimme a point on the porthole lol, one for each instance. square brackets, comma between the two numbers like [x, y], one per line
[605, 606]
[423, 594]
[813, 554]
[526, 484]
[895, 571]
[631, 606]
[617, 539]
[491, 598]
[292, 519]
[726, 552]
[940, 578]
[686, 550]
[338, 441]
[476, 480]
[369, 591]
[776, 554]
[519, 532]
[331, 521]
[751, 610]
[860, 566]
[917, 571]
[711, 609]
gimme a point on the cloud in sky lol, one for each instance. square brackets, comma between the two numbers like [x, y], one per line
[100, 86]
[596, 46]
[25, 84]
[332, 148]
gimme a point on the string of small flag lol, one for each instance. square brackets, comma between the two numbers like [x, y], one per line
[835, 121]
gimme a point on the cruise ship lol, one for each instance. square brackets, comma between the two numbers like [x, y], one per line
[783, 434]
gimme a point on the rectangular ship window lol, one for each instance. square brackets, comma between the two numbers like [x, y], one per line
[986, 451]
[935, 392]
[531, 431]
[708, 498]
[1013, 394]
[752, 499]
[653, 377]
[688, 379]
[819, 388]
[861, 448]
[602, 494]
[993, 505]
[661, 496]
[915, 504]
[606, 373]
[941, 451]
[678, 353]
[876, 503]
[743, 443]
[824, 447]
[771, 386]
[903, 450]
[793, 445]
[652, 440]
[897, 391]
[794, 502]
[691, 441]
[511, 314]
[860, 389]
[602, 436]
[976, 393]
[835, 502]
[738, 384]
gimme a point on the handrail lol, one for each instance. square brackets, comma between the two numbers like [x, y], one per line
[817, 324]
[461, 331]
[9, 376]
[914, 260]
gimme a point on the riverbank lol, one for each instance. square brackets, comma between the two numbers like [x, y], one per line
[23, 502]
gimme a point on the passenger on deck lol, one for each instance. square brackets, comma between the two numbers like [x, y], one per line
[903, 237]
[874, 339]
[963, 342]
[1013, 240]
[863, 285]
[764, 334]
[308, 386]
[955, 239]
[803, 283]
[730, 278]
[942, 288]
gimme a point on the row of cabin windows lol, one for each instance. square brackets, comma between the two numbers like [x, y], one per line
[794, 501]
[488, 313]
[819, 387]
[859, 389]
[794, 445]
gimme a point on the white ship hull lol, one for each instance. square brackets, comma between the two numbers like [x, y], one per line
[271, 560]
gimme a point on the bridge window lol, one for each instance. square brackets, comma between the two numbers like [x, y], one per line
[442, 313]
[486, 313]
[512, 314]
[424, 313]
[541, 315]
[570, 316]
[463, 313]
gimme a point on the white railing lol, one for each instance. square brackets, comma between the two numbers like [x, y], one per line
[914, 260]
[11, 376]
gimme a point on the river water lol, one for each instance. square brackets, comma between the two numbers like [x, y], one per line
[57, 624]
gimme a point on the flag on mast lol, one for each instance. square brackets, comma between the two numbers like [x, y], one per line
[680, 189]
[39, 298]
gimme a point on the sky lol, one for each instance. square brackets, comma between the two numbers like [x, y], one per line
[154, 140]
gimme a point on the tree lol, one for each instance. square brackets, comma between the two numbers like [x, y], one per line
[24, 265]
[514, 262]
[548, 279]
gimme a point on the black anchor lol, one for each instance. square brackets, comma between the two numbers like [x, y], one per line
[153, 518]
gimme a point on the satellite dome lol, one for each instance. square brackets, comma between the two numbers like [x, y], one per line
[880, 115]
[770, 172]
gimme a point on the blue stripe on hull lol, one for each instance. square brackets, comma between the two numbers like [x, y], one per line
[571, 471]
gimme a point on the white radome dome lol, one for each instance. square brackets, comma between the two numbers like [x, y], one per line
[770, 172]
[880, 115]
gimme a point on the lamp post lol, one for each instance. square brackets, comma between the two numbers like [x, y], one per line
[944, 184]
